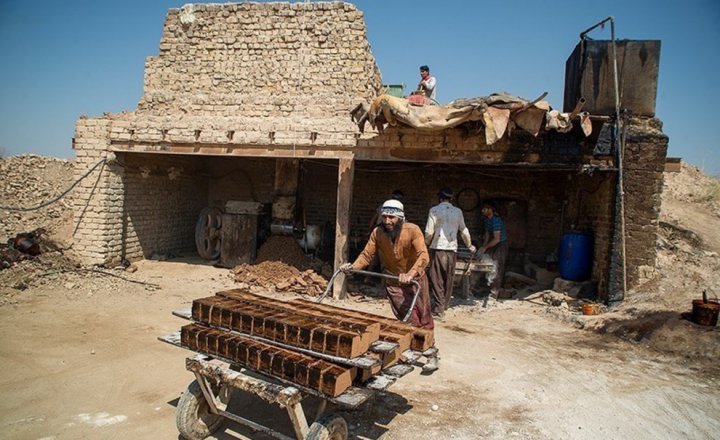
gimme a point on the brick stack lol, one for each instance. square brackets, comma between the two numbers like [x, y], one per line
[313, 345]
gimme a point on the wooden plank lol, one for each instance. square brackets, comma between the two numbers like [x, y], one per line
[238, 242]
[353, 397]
[380, 382]
[330, 379]
[346, 175]
[217, 373]
[172, 339]
[183, 313]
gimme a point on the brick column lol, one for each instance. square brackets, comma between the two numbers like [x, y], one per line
[99, 197]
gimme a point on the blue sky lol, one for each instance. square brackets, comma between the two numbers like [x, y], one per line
[61, 60]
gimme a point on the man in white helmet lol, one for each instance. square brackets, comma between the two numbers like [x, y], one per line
[402, 251]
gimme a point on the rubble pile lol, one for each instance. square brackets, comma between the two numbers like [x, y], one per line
[283, 249]
[33, 242]
[29, 180]
[279, 276]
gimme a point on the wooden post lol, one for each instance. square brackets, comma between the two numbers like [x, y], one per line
[346, 174]
[287, 174]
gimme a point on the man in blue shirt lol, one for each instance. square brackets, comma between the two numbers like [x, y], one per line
[495, 244]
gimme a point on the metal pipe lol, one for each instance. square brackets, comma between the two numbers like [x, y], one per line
[415, 284]
[619, 147]
[586, 31]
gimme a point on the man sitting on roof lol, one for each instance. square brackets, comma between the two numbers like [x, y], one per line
[427, 83]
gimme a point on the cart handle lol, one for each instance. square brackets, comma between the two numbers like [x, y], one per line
[416, 286]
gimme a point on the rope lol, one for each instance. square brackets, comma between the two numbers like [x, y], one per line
[53, 272]
[51, 201]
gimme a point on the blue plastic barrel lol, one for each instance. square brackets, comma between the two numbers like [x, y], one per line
[576, 252]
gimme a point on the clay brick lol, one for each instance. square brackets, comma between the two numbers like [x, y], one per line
[309, 372]
[420, 339]
[371, 331]
[273, 324]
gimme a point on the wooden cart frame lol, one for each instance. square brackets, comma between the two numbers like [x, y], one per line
[204, 403]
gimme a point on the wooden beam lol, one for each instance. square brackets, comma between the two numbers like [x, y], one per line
[346, 175]
[461, 155]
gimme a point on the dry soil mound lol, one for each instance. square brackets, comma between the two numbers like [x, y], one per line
[29, 180]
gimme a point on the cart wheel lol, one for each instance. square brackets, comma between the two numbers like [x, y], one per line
[328, 427]
[207, 233]
[193, 417]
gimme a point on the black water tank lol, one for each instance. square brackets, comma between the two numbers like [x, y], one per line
[589, 74]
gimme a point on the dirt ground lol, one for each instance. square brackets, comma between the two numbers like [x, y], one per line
[80, 358]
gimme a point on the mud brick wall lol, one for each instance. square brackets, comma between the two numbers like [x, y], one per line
[163, 196]
[99, 197]
[261, 74]
[261, 59]
[256, 73]
[644, 162]
[589, 208]
[239, 178]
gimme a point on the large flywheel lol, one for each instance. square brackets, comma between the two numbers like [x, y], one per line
[207, 233]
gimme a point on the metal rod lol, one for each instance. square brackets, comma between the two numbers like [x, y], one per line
[254, 426]
[379, 275]
[585, 32]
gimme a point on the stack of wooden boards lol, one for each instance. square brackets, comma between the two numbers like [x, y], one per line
[316, 346]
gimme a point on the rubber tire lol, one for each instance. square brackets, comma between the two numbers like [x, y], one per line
[193, 417]
[202, 227]
[328, 427]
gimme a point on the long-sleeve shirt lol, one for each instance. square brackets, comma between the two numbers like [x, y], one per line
[406, 253]
[429, 85]
[444, 222]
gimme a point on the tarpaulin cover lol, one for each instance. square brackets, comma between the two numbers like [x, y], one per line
[498, 113]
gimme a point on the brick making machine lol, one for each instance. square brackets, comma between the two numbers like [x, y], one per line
[232, 234]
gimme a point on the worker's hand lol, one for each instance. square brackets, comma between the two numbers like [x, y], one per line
[406, 278]
[472, 249]
[346, 267]
[482, 250]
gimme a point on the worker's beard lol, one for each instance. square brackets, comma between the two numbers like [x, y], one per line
[395, 231]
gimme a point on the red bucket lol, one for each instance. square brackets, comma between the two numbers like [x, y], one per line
[705, 313]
